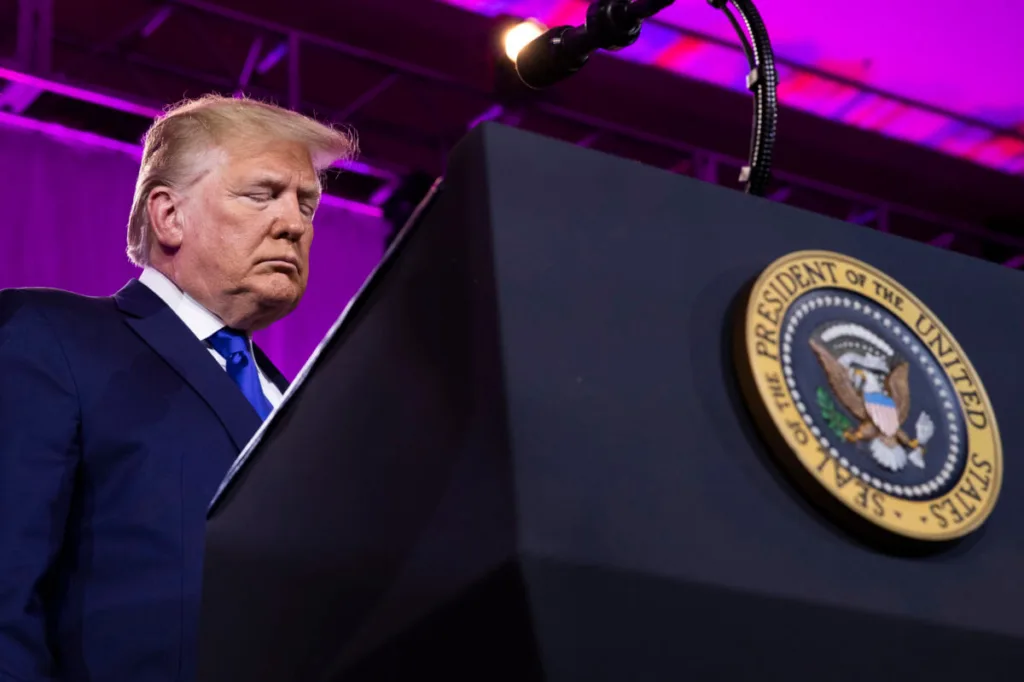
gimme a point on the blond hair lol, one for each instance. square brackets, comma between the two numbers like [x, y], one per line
[175, 142]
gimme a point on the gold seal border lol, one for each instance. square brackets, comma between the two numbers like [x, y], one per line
[763, 399]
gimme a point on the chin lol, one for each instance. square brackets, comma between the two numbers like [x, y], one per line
[284, 295]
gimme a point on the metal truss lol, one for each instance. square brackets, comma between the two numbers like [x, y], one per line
[29, 73]
[32, 52]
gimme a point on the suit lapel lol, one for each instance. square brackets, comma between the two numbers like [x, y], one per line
[270, 370]
[167, 335]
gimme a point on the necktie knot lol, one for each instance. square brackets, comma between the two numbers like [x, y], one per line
[229, 343]
[233, 346]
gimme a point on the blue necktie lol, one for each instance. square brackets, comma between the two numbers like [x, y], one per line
[233, 346]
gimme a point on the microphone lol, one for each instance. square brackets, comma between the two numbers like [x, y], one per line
[615, 24]
[564, 50]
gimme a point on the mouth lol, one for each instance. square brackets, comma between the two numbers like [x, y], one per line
[286, 263]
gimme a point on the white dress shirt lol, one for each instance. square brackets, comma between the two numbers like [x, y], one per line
[200, 322]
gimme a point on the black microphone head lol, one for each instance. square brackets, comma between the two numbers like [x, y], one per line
[548, 59]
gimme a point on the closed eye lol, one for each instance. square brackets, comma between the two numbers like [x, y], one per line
[308, 200]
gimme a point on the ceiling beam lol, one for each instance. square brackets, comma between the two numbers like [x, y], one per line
[591, 119]
[251, 58]
[350, 51]
[365, 98]
[156, 21]
[863, 217]
[35, 35]
[18, 97]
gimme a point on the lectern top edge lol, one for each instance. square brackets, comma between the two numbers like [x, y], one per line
[337, 334]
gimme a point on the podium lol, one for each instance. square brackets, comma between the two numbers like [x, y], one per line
[522, 454]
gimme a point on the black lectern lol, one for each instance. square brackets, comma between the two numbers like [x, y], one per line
[521, 455]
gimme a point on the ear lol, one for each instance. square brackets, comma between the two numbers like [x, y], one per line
[165, 217]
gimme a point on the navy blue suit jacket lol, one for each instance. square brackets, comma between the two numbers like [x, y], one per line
[116, 428]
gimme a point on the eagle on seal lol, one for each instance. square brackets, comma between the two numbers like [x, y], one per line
[878, 397]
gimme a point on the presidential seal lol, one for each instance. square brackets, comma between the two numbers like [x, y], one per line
[864, 392]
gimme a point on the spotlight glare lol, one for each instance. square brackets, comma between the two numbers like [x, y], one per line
[520, 35]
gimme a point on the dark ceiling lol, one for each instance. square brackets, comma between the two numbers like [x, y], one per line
[411, 76]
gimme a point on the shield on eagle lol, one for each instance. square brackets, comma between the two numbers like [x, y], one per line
[883, 412]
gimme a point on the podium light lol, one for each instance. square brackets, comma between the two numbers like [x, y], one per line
[520, 35]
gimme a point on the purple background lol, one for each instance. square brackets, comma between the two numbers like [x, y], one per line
[65, 210]
[941, 75]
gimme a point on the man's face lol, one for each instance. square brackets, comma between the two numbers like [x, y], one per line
[246, 232]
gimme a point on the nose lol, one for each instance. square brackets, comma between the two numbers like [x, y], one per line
[290, 223]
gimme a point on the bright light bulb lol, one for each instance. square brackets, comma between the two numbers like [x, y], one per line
[519, 36]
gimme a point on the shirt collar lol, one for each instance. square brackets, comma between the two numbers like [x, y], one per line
[198, 319]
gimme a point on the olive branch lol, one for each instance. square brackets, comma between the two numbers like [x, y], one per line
[837, 422]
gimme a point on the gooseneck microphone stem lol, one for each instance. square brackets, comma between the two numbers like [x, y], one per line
[615, 24]
[763, 81]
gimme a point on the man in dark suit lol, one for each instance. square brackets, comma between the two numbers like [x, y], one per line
[120, 416]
